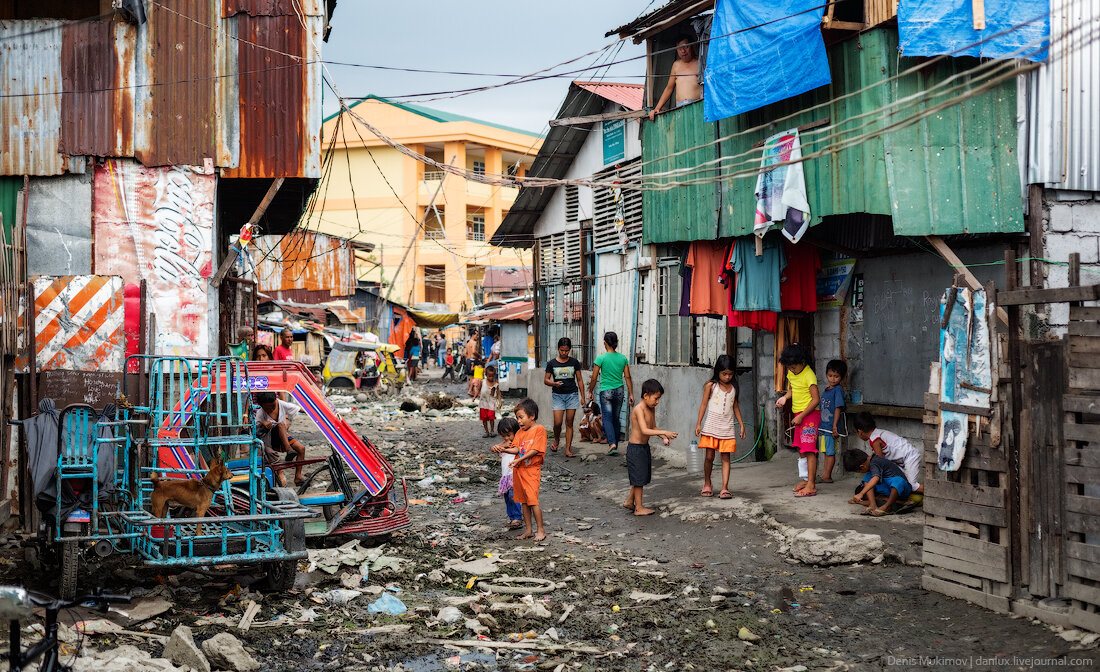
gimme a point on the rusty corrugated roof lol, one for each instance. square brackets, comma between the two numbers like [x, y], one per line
[630, 96]
[304, 260]
[97, 69]
[181, 59]
[274, 137]
[30, 112]
[261, 7]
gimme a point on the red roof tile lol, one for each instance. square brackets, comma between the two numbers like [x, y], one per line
[630, 96]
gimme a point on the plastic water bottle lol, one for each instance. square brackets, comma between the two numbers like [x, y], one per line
[693, 461]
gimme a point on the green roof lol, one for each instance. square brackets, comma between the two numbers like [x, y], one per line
[436, 115]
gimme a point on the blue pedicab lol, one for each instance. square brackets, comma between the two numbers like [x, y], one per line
[197, 410]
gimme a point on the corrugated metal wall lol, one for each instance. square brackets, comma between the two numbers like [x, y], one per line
[98, 73]
[30, 112]
[1062, 135]
[181, 63]
[616, 287]
[953, 172]
[681, 213]
[304, 260]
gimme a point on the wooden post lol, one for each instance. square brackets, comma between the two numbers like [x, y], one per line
[1074, 269]
[234, 250]
[1015, 489]
[1035, 234]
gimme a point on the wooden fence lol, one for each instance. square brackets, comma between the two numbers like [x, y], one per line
[1017, 527]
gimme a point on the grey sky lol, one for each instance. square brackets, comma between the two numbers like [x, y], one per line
[497, 36]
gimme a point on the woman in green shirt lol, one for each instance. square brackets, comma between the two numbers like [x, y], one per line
[613, 370]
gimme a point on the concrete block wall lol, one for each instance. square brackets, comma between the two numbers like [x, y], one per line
[1071, 223]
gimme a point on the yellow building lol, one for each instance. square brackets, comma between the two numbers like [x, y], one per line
[375, 194]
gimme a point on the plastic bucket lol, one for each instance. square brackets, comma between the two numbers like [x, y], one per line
[693, 458]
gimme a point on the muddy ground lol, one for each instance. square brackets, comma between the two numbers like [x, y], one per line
[667, 592]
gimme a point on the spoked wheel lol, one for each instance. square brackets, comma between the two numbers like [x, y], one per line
[70, 560]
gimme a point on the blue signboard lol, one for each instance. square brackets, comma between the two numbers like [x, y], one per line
[614, 141]
[252, 383]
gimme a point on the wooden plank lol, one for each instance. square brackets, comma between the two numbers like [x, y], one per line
[1083, 313]
[1081, 432]
[1084, 379]
[977, 597]
[997, 561]
[1089, 506]
[973, 513]
[931, 401]
[1078, 591]
[1025, 297]
[1076, 522]
[1084, 344]
[1086, 552]
[963, 541]
[1082, 568]
[1084, 360]
[1089, 329]
[883, 411]
[1086, 620]
[961, 492]
[234, 250]
[948, 575]
[1083, 475]
[930, 557]
[944, 524]
[1081, 403]
[949, 255]
[969, 410]
[1083, 457]
[592, 118]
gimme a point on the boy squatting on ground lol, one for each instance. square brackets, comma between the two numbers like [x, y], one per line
[892, 447]
[883, 478]
[274, 417]
[529, 447]
[639, 461]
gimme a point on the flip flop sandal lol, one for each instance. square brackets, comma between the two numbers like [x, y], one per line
[803, 493]
[707, 492]
[798, 488]
[570, 454]
[822, 480]
[613, 452]
[554, 447]
[725, 494]
[878, 513]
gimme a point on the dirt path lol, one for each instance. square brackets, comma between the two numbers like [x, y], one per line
[627, 593]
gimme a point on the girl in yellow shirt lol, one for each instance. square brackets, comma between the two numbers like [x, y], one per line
[804, 397]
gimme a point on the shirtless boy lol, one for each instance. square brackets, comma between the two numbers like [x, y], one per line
[684, 78]
[639, 462]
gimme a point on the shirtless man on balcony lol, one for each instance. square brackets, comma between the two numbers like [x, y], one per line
[684, 78]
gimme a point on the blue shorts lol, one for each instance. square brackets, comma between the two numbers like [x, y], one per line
[898, 483]
[827, 444]
[565, 402]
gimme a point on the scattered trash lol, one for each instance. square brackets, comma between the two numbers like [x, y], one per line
[339, 596]
[430, 481]
[308, 615]
[449, 615]
[481, 566]
[506, 585]
[639, 596]
[387, 604]
[746, 635]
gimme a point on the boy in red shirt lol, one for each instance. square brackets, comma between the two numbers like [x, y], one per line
[529, 447]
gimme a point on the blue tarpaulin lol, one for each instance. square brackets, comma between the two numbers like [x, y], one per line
[779, 54]
[1013, 29]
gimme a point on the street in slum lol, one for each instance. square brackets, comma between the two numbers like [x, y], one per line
[624, 335]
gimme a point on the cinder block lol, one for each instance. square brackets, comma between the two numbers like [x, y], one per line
[1060, 245]
[1086, 217]
[1061, 217]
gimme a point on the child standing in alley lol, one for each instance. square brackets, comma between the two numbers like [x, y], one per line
[719, 424]
[507, 428]
[449, 360]
[489, 400]
[804, 397]
[529, 447]
[639, 461]
[832, 416]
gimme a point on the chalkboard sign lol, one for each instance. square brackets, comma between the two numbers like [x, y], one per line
[894, 337]
[94, 388]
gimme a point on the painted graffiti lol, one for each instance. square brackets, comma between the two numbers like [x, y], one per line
[156, 224]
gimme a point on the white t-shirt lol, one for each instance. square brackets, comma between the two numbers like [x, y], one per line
[487, 398]
[899, 451]
[286, 413]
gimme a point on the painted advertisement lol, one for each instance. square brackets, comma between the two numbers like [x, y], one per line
[156, 224]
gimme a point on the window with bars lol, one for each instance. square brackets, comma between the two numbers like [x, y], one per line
[475, 227]
[572, 203]
[559, 257]
[617, 211]
[433, 225]
[674, 333]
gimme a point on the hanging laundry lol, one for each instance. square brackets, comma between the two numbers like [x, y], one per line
[685, 292]
[798, 284]
[781, 190]
[707, 259]
[760, 320]
[757, 277]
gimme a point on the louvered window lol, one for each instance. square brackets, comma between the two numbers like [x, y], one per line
[618, 211]
[560, 257]
[572, 203]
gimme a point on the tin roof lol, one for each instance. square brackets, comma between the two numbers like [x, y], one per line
[517, 311]
[661, 18]
[507, 277]
[30, 111]
[630, 96]
[98, 71]
[304, 260]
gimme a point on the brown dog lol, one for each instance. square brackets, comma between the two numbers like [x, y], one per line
[188, 492]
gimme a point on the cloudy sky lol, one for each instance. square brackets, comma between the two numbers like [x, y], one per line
[483, 36]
